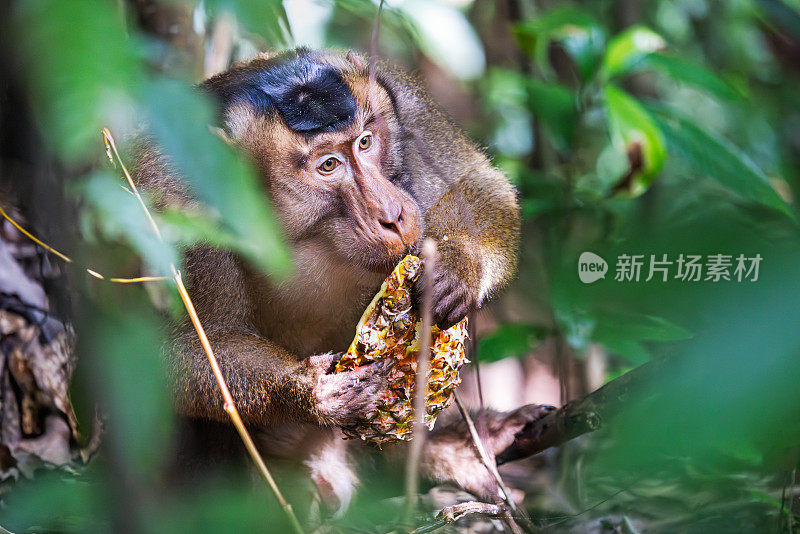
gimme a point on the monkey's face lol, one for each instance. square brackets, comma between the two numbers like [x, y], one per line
[327, 145]
[339, 189]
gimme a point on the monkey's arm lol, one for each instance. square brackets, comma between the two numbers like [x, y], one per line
[268, 383]
[476, 228]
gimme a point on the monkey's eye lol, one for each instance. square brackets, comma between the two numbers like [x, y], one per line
[365, 142]
[329, 165]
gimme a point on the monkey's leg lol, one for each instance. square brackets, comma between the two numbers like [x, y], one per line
[449, 454]
[332, 471]
[324, 454]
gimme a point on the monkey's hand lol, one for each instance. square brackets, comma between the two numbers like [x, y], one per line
[453, 298]
[345, 398]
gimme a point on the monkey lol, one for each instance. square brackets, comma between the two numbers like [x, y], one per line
[360, 166]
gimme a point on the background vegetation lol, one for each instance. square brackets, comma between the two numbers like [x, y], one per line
[629, 127]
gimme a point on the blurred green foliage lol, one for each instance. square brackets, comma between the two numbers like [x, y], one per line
[677, 134]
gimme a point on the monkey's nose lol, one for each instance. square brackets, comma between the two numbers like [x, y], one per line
[392, 224]
[391, 219]
[396, 224]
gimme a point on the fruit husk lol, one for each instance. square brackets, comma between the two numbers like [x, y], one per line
[390, 328]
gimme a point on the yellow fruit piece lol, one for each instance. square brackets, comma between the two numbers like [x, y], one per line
[390, 329]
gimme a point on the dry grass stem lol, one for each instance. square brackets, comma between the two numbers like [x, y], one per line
[489, 462]
[67, 259]
[428, 254]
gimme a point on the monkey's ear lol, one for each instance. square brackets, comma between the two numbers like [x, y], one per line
[222, 134]
[356, 59]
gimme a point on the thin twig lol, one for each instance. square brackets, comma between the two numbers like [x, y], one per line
[220, 47]
[376, 31]
[137, 280]
[229, 405]
[451, 514]
[420, 387]
[372, 95]
[489, 463]
[475, 357]
[484, 456]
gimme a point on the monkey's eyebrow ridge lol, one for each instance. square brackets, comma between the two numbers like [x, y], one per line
[300, 159]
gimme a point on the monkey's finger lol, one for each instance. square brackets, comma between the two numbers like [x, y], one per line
[449, 297]
[366, 371]
[528, 414]
[387, 366]
[324, 362]
[452, 308]
[454, 316]
[445, 295]
[455, 309]
[370, 395]
[419, 288]
[362, 399]
[349, 383]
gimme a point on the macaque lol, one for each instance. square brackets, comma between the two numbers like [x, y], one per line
[360, 166]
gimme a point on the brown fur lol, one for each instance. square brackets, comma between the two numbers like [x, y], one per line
[276, 340]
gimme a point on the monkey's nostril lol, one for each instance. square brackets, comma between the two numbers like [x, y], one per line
[390, 226]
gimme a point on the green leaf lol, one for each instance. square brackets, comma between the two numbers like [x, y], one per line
[611, 166]
[691, 73]
[187, 228]
[190, 227]
[510, 340]
[623, 333]
[717, 158]
[555, 105]
[632, 351]
[266, 18]
[126, 348]
[619, 324]
[55, 503]
[632, 129]
[628, 48]
[577, 31]
[119, 217]
[179, 118]
[81, 66]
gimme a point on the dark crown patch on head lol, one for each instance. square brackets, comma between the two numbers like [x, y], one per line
[310, 96]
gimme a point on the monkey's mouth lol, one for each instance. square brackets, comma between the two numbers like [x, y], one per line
[382, 250]
[384, 264]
